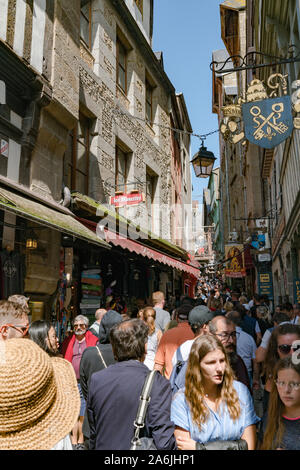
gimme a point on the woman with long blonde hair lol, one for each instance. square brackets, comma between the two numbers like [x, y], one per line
[281, 425]
[148, 315]
[212, 406]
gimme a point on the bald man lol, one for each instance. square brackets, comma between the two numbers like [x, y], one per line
[99, 314]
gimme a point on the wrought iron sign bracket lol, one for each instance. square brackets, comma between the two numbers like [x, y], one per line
[248, 62]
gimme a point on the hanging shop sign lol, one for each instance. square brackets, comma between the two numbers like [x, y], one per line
[131, 199]
[258, 241]
[265, 284]
[235, 266]
[297, 291]
[266, 117]
[264, 257]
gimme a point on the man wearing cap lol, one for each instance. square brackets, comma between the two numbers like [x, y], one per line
[171, 339]
[198, 319]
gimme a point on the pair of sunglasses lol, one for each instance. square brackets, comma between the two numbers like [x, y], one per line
[286, 348]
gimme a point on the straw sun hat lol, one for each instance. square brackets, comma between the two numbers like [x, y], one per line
[39, 398]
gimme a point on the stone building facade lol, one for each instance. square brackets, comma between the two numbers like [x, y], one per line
[280, 168]
[85, 108]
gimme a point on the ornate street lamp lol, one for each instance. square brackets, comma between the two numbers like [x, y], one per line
[203, 162]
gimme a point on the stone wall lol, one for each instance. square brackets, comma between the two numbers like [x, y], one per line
[116, 116]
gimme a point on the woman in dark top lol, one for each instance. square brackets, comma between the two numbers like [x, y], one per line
[281, 425]
[43, 333]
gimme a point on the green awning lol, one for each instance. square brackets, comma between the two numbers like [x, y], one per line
[40, 213]
[101, 210]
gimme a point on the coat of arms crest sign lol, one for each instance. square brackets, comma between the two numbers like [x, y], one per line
[263, 119]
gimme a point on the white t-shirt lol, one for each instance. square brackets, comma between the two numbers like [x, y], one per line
[245, 347]
[185, 349]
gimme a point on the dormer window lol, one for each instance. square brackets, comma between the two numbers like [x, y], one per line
[139, 4]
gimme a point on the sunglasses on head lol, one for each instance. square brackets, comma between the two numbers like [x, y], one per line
[286, 348]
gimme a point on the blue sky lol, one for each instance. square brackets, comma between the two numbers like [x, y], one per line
[187, 32]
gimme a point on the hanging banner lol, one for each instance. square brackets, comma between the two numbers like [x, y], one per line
[235, 267]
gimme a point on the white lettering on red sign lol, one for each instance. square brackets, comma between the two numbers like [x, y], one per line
[127, 199]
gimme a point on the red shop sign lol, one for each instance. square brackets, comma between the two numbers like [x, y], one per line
[127, 199]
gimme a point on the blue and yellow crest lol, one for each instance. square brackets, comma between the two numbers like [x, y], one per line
[269, 122]
[263, 119]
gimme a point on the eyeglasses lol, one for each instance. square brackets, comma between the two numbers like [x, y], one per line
[286, 348]
[23, 329]
[226, 336]
[79, 325]
[291, 385]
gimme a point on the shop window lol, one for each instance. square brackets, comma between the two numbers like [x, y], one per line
[86, 22]
[139, 4]
[76, 161]
[122, 168]
[121, 66]
[149, 103]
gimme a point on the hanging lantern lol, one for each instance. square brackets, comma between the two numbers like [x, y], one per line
[203, 162]
[31, 241]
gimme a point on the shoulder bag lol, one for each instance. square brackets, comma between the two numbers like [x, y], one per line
[101, 357]
[137, 442]
[240, 444]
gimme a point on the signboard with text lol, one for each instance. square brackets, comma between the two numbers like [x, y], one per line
[265, 284]
[297, 291]
[127, 199]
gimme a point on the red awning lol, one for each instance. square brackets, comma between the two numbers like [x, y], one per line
[139, 249]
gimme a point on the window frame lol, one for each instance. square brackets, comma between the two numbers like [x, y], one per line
[119, 43]
[151, 180]
[126, 158]
[148, 86]
[140, 6]
[72, 164]
[89, 21]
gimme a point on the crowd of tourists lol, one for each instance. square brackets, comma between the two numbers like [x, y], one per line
[222, 372]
